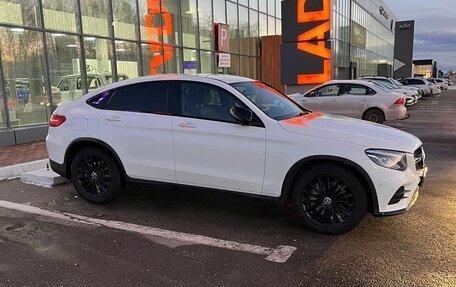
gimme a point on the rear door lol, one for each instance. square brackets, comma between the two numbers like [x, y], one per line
[355, 99]
[137, 124]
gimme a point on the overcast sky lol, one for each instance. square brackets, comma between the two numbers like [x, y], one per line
[435, 28]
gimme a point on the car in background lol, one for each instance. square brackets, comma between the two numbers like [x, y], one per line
[443, 83]
[221, 132]
[70, 86]
[394, 83]
[411, 97]
[420, 83]
[354, 98]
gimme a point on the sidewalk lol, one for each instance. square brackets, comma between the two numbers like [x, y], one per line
[22, 153]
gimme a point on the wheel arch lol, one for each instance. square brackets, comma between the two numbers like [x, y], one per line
[81, 143]
[374, 108]
[357, 170]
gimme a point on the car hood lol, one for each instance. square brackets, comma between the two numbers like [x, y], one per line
[351, 130]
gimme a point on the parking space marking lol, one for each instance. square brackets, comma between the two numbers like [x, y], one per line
[280, 254]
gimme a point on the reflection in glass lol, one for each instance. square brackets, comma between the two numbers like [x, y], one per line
[190, 61]
[219, 11]
[127, 60]
[153, 58]
[174, 65]
[189, 24]
[244, 67]
[254, 4]
[244, 30]
[254, 33]
[263, 25]
[60, 15]
[233, 22]
[263, 5]
[64, 53]
[206, 24]
[125, 19]
[207, 60]
[234, 69]
[23, 66]
[94, 17]
[271, 25]
[3, 120]
[20, 12]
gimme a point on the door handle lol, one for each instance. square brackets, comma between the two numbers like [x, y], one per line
[186, 125]
[364, 101]
[333, 101]
[113, 119]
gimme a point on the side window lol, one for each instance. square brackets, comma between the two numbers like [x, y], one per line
[207, 102]
[93, 83]
[357, 90]
[109, 100]
[328, 91]
[64, 85]
[149, 97]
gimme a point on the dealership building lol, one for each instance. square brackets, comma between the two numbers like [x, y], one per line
[57, 50]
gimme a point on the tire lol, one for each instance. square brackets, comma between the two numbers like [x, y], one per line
[374, 115]
[95, 175]
[334, 210]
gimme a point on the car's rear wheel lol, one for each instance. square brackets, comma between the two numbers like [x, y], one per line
[330, 199]
[374, 115]
[95, 175]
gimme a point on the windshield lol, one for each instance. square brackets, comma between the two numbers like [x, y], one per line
[272, 102]
[397, 82]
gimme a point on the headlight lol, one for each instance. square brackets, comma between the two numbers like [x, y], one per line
[387, 158]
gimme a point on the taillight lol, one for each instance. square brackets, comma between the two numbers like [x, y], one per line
[400, 102]
[56, 120]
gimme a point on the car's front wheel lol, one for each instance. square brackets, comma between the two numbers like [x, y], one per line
[330, 199]
[95, 175]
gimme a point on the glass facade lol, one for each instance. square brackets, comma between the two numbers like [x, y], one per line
[362, 38]
[56, 50]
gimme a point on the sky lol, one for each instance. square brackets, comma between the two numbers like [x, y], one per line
[435, 28]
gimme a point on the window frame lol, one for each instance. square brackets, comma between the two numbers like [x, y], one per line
[176, 100]
[169, 103]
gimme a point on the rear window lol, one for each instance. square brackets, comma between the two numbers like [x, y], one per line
[109, 100]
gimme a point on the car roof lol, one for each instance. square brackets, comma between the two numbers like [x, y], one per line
[361, 82]
[375, 77]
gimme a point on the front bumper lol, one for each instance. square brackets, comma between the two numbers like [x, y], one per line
[412, 201]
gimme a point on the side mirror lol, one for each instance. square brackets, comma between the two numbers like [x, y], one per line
[242, 115]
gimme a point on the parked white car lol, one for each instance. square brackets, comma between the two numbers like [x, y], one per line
[395, 83]
[411, 97]
[420, 83]
[354, 98]
[436, 89]
[70, 86]
[223, 132]
[443, 83]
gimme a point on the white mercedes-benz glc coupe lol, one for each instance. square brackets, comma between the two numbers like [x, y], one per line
[236, 134]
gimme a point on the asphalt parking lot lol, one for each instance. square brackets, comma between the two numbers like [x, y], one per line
[119, 244]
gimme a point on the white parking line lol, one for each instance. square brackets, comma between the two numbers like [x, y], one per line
[280, 254]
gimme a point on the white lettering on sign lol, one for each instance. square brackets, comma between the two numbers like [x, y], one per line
[224, 60]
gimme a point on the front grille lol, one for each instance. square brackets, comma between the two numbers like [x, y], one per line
[419, 158]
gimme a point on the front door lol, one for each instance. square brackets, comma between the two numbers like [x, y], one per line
[355, 99]
[211, 149]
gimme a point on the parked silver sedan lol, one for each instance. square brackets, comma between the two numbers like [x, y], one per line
[354, 98]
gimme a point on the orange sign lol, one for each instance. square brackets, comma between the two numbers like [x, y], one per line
[313, 41]
[161, 53]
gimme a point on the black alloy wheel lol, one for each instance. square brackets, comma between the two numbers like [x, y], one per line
[330, 199]
[327, 201]
[95, 175]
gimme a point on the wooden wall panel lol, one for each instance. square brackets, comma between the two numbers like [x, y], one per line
[270, 61]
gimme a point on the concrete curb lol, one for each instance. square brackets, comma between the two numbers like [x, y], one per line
[43, 178]
[15, 171]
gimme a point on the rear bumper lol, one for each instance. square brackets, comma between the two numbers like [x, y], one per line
[58, 168]
[396, 114]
